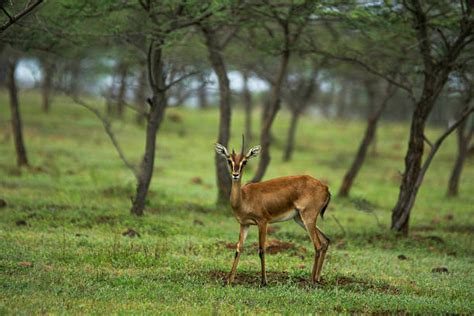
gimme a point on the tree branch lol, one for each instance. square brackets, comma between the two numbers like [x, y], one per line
[108, 130]
[13, 19]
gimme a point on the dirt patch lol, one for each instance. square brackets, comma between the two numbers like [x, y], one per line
[361, 285]
[117, 191]
[273, 246]
[440, 270]
[25, 264]
[273, 229]
[131, 233]
[21, 222]
[402, 257]
[196, 180]
[198, 222]
[252, 279]
[3, 203]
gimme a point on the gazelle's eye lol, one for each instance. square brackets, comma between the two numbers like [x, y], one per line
[244, 162]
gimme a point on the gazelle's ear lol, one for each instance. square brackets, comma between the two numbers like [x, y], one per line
[253, 152]
[221, 150]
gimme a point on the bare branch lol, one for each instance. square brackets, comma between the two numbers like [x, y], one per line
[368, 68]
[13, 19]
[172, 83]
[425, 138]
[108, 130]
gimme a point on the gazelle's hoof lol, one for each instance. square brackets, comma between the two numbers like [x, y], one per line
[226, 282]
[317, 285]
[263, 284]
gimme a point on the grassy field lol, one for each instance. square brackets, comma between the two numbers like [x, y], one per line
[67, 244]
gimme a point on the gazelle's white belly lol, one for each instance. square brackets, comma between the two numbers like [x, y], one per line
[285, 216]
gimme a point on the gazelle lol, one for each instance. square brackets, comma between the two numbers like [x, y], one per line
[301, 198]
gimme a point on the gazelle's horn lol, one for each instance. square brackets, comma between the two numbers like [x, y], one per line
[243, 146]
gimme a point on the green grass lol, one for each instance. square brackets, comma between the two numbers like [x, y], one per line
[71, 256]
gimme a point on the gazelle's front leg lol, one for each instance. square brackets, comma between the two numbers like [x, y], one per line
[240, 244]
[262, 236]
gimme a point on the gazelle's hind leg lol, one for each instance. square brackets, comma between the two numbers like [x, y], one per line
[320, 242]
[325, 245]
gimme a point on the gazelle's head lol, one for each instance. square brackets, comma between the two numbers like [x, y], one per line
[236, 162]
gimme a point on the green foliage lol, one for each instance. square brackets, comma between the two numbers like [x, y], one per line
[71, 256]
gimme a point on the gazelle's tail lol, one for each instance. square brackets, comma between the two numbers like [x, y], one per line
[325, 205]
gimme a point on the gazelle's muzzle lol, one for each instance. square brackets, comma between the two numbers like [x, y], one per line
[235, 176]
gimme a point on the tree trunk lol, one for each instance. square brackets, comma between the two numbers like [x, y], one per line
[74, 78]
[202, 93]
[17, 128]
[413, 158]
[298, 101]
[463, 141]
[218, 65]
[122, 72]
[369, 136]
[290, 141]
[274, 106]
[158, 104]
[148, 161]
[247, 100]
[48, 72]
[140, 97]
[341, 105]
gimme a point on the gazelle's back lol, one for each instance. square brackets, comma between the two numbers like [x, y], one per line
[284, 194]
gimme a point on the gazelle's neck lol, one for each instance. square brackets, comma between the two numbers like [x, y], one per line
[235, 194]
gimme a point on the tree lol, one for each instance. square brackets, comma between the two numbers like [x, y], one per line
[284, 24]
[441, 32]
[21, 156]
[300, 91]
[48, 69]
[217, 34]
[438, 63]
[247, 101]
[369, 133]
[20, 14]
[464, 134]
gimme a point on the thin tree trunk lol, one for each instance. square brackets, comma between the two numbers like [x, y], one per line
[122, 72]
[202, 93]
[421, 174]
[341, 105]
[247, 100]
[158, 104]
[413, 158]
[218, 65]
[298, 102]
[464, 136]
[48, 72]
[74, 78]
[274, 106]
[140, 97]
[290, 142]
[17, 128]
[369, 136]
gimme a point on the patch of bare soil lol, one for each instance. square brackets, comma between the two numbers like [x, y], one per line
[440, 270]
[3, 203]
[131, 233]
[21, 222]
[252, 279]
[117, 191]
[273, 246]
